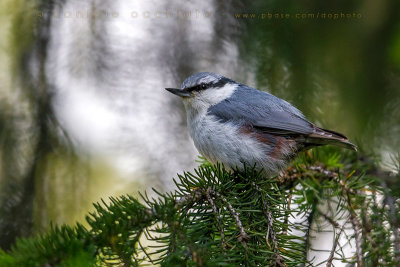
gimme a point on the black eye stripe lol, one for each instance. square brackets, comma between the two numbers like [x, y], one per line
[199, 87]
[203, 86]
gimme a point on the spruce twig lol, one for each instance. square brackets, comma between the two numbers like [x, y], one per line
[336, 240]
[214, 208]
[243, 237]
[355, 223]
[279, 261]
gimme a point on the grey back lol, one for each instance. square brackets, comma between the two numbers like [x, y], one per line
[261, 110]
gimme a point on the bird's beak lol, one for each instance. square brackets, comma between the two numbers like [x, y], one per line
[179, 92]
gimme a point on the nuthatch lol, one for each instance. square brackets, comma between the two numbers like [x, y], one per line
[232, 123]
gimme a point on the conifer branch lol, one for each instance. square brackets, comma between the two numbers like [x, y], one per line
[279, 261]
[243, 237]
[329, 219]
[215, 211]
[310, 220]
[336, 239]
[182, 224]
[356, 227]
[187, 200]
[354, 222]
[286, 221]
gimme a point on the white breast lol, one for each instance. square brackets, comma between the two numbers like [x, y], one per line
[223, 142]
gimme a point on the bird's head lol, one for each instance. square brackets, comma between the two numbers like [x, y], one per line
[204, 89]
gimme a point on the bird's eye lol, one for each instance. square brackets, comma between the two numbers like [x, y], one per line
[203, 86]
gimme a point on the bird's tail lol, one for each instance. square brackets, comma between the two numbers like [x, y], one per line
[327, 137]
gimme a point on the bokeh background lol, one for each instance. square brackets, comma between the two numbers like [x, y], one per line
[83, 110]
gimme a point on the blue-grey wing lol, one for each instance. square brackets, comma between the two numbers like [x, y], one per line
[262, 111]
